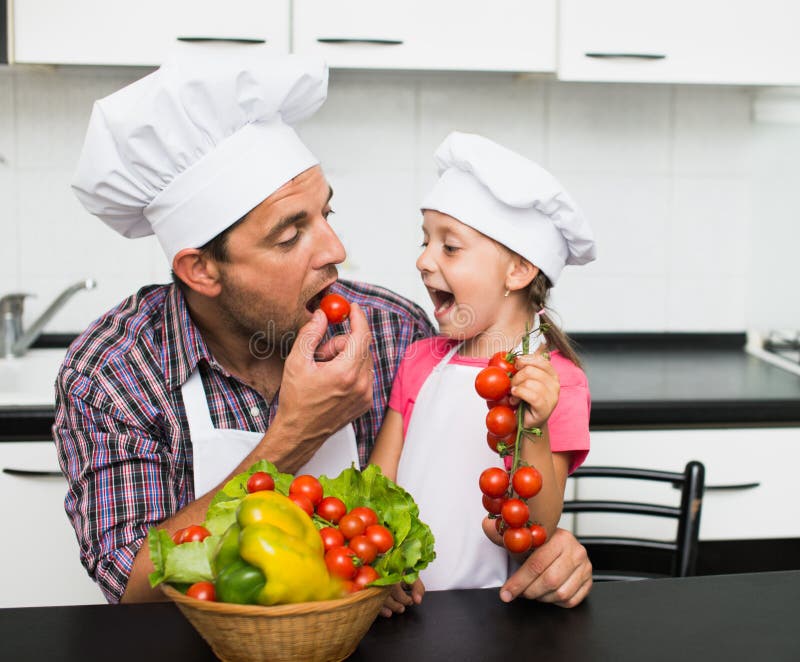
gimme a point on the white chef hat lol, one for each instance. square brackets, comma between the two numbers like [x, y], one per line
[186, 151]
[512, 200]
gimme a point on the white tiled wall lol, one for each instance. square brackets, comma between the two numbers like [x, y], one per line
[665, 174]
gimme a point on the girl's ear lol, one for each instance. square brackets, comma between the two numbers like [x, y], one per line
[520, 274]
[198, 271]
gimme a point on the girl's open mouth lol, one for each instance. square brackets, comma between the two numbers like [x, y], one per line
[442, 301]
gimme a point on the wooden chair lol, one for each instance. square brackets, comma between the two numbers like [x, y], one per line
[628, 558]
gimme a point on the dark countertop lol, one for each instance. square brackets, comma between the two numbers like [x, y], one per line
[694, 619]
[684, 380]
[637, 380]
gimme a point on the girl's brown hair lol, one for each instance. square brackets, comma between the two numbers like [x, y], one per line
[538, 291]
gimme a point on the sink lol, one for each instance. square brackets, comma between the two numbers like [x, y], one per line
[29, 380]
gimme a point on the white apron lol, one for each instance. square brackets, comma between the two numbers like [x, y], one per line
[444, 453]
[218, 452]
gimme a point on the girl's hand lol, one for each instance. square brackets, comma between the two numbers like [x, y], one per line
[536, 383]
[401, 596]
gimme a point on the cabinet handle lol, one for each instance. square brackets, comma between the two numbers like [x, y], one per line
[235, 40]
[630, 56]
[739, 486]
[31, 472]
[345, 40]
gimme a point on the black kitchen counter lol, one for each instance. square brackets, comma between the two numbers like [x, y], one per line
[637, 380]
[684, 380]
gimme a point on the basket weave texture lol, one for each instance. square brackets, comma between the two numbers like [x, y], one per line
[324, 631]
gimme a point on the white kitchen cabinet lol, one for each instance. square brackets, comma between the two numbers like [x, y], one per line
[752, 491]
[683, 41]
[39, 561]
[140, 33]
[505, 35]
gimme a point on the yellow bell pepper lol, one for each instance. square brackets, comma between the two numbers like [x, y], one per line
[279, 539]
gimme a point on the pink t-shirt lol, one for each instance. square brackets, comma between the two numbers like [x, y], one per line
[568, 424]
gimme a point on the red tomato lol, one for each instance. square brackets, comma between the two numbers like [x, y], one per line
[304, 503]
[202, 591]
[500, 525]
[492, 383]
[381, 537]
[502, 401]
[193, 533]
[493, 482]
[527, 481]
[493, 441]
[493, 505]
[517, 541]
[539, 534]
[331, 537]
[515, 513]
[367, 514]
[351, 525]
[341, 562]
[501, 421]
[308, 486]
[349, 586]
[499, 360]
[260, 480]
[364, 548]
[331, 508]
[335, 307]
[366, 575]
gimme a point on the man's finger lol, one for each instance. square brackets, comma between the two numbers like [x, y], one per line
[310, 335]
[331, 348]
[529, 574]
[359, 338]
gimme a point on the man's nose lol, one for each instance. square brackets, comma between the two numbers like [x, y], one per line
[330, 249]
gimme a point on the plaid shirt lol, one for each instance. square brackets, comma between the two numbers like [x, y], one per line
[121, 429]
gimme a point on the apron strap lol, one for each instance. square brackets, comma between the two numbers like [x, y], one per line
[196, 404]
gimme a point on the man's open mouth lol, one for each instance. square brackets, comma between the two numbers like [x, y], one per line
[313, 303]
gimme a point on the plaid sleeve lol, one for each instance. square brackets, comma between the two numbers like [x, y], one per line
[119, 476]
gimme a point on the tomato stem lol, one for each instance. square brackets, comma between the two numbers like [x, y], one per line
[520, 410]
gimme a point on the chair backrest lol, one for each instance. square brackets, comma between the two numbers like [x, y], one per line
[682, 549]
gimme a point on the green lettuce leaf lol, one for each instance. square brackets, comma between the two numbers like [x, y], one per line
[180, 564]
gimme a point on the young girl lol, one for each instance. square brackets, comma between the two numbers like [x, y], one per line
[498, 230]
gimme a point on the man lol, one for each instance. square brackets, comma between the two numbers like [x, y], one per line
[179, 387]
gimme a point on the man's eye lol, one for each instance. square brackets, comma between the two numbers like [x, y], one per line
[291, 241]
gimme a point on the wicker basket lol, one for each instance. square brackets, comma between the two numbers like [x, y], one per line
[324, 631]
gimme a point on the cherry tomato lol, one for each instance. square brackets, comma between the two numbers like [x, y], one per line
[381, 537]
[304, 503]
[366, 575]
[492, 383]
[351, 525]
[527, 481]
[331, 508]
[364, 548]
[366, 514]
[499, 360]
[502, 401]
[341, 562]
[501, 421]
[500, 525]
[202, 591]
[493, 505]
[493, 482]
[517, 541]
[193, 533]
[259, 481]
[349, 586]
[335, 307]
[493, 441]
[539, 534]
[515, 513]
[331, 537]
[308, 486]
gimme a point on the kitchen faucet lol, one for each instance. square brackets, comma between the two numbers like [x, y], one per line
[15, 342]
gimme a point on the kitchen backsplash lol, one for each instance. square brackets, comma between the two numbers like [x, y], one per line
[664, 173]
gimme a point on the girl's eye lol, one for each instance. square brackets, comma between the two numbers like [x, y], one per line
[328, 213]
[449, 249]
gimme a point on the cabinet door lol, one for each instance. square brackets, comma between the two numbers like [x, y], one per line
[140, 33]
[505, 35]
[683, 41]
[39, 561]
[751, 486]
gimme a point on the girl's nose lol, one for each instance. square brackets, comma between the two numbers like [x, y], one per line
[424, 262]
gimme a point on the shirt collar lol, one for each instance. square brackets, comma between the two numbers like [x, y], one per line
[182, 347]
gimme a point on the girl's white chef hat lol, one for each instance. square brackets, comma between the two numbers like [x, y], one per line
[512, 200]
[186, 151]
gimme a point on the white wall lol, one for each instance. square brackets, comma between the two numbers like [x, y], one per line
[664, 173]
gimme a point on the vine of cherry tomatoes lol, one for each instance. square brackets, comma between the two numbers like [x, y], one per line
[505, 491]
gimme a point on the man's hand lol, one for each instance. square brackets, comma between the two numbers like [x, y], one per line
[402, 596]
[559, 571]
[318, 397]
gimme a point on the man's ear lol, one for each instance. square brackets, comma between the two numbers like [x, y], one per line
[520, 274]
[197, 271]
